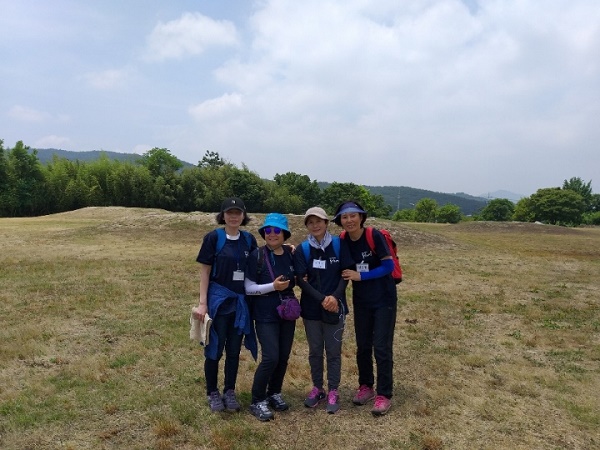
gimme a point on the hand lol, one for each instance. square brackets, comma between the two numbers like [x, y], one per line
[281, 283]
[330, 303]
[200, 311]
[350, 275]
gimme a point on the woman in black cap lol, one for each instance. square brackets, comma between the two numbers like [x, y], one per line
[374, 301]
[223, 257]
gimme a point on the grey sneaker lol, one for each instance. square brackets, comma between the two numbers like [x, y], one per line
[277, 403]
[215, 402]
[315, 397]
[333, 401]
[230, 402]
[261, 411]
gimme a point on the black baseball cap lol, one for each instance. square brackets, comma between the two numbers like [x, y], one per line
[233, 203]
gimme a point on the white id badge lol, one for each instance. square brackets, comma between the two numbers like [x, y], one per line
[362, 267]
[238, 275]
[318, 264]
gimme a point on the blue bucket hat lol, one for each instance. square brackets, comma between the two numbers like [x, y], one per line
[275, 220]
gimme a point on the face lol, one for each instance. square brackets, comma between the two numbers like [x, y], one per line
[316, 226]
[233, 217]
[351, 221]
[273, 239]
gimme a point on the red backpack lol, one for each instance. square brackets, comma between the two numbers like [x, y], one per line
[393, 248]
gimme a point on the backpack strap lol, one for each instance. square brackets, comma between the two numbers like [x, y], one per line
[370, 240]
[336, 245]
[306, 250]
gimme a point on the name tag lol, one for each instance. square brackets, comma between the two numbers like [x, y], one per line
[362, 267]
[238, 275]
[318, 264]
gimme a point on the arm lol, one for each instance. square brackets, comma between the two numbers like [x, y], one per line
[253, 288]
[386, 267]
[308, 289]
[203, 301]
[341, 288]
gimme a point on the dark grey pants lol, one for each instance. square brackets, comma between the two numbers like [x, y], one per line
[324, 338]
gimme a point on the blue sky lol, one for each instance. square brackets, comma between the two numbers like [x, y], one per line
[445, 95]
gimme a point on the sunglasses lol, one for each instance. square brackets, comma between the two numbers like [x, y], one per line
[275, 230]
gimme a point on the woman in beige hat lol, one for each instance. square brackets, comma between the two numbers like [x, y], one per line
[318, 267]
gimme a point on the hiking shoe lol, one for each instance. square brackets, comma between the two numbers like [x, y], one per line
[363, 395]
[261, 411]
[333, 401]
[277, 403]
[215, 402]
[230, 402]
[314, 397]
[382, 405]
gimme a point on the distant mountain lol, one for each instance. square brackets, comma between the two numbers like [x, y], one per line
[45, 156]
[402, 197]
[503, 194]
[398, 197]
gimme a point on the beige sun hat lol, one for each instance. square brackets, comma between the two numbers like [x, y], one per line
[317, 212]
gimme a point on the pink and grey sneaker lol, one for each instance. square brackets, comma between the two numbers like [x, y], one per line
[363, 395]
[333, 402]
[315, 397]
[382, 405]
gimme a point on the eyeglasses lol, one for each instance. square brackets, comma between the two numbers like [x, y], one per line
[275, 230]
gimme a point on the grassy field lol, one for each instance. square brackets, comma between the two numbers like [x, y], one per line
[497, 342]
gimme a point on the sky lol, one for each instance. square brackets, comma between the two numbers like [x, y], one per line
[451, 96]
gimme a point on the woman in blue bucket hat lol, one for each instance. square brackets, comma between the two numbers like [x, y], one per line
[269, 279]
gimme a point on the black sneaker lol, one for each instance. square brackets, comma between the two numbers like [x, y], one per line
[261, 411]
[230, 402]
[215, 402]
[277, 403]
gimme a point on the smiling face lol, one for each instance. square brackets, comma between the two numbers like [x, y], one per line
[272, 239]
[316, 227]
[351, 222]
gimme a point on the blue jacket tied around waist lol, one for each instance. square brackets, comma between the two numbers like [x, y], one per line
[218, 294]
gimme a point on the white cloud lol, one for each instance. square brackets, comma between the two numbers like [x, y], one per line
[26, 114]
[107, 79]
[216, 107]
[53, 141]
[191, 34]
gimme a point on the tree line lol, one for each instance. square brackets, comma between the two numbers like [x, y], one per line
[159, 180]
[572, 204]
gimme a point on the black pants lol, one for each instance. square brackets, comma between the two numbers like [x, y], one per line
[276, 339]
[374, 329]
[231, 342]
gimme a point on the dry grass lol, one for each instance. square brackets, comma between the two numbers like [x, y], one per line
[497, 341]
